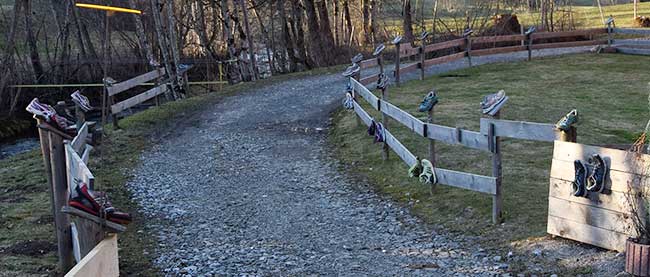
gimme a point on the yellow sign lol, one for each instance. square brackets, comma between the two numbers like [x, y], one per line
[107, 8]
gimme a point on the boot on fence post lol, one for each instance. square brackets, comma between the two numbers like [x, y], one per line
[468, 43]
[110, 100]
[568, 132]
[492, 106]
[352, 72]
[529, 38]
[397, 41]
[610, 30]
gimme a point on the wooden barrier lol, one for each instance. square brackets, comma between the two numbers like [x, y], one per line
[444, 45]
[102, 260]
[601, 219]
[495, 39]
[368, 63]
[499, 50]
[577, 33]
[406, 50]
[521, 129]
[632, 31]
[444, 59]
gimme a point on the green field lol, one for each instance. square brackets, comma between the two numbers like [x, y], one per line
[610, 92]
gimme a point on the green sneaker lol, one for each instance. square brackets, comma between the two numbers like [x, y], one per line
[428, 175]
[565, 123]
[416, 169]
[429, 101]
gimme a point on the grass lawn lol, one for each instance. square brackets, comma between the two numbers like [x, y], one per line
[27, 238]
[610, 92]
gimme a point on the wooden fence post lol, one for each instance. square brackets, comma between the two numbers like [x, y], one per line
[45, 151]
[421, 50]
[495, 148]
[570, 136]
[529, 47]
[609, 34]
[384, 121]
[432, 146]
[60, 197]
[397, 63]
[468, 49]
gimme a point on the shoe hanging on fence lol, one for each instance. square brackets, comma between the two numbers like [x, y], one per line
[97, 204]
[430, 100]
[81, 100]
[49, 115]
[569, 119]
[423, 35]
[397, 39]
[379, 133]
[491, 101]
[596, 180]
[380, 47]
[416, 168]
[382, 81]
[578, 185]
[109, 81]
[348, 102]
[372, 129]
[357, 58]
[428, 175]
[351, 70]
[467, 32]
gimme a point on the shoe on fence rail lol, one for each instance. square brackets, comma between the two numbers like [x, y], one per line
[348, 102]
[397, 39]
[416, 169]
[578, 186]
[569, 119]
[96, 203]
[379, 49]
[357, 58]
[430, 100]
[351, 70]
[49, 114]
[379, 133]
[382, 81]
[491, 101]
[428, 175]
[596, 179]
[81, 100]
[372, 129]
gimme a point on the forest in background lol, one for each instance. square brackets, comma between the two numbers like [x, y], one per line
[54, 42]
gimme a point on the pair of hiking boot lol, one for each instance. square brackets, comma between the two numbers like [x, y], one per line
[589, 180]
[430, 100]
[376, 130]
[423, 169]
[96, 203]
[51, 116]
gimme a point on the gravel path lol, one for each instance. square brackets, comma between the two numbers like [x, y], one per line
[249, 188]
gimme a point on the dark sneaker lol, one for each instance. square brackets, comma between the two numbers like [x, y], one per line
[423, 35]
[357, 58]
[428, 175]
[579, 184]
[348, 102]
[530, 30]
[397, 39]
[382, 82]
[416, 169]
[428, 102]
[378, 49]
[467, 32]
[379, 133]
[372, 129]
[81, 100]
[596, 180]
[351, 70]
[492, 101]
[565, 123]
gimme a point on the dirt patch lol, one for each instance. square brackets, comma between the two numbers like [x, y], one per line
[33, 248]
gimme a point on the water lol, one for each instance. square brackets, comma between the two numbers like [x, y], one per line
[18, 146]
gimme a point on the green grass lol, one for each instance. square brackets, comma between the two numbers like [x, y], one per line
[610, 92]
[25, 213]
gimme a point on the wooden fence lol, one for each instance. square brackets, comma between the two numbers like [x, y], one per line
[65, 158]
[480, 46]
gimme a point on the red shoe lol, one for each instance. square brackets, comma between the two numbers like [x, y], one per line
[97, 204]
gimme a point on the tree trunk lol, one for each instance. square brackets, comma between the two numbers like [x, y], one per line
[365, 12]
[234, 73]
[142, 36]
[326, 33]
[160, 34]
[407, 21]
[300, 34]
[31, 42]
[249, 37]
[314, 37]
[265, 33]
[286, 37]
[347, 36]
[373, 20]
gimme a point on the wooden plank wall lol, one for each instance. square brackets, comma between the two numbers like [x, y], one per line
[100, 261]
[601, 219]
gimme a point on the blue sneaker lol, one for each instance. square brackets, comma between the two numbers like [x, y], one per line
[357, 58]
[569, 119]
[397, 39]
[578, 185]
[596, 180]
[491, 101]
[379, 133]
[429, 101]
[378, 49]
[423, 35]
[351, 70]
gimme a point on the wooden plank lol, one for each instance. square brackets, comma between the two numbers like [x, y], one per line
[521, 129]
[619, 160]
[406, 50]
[134, 82]
[585, 32]
[632, 31]
[444, 59]
[77, 170]
[60, 199]
[109, 225]
[365, 93]
[365, 117]
[399, 148]
[590, 215]
[86, 154]
[614, 201]
[135, 100]
[585, 233]
[498, 50]
[632, 42]
[444, 45]
[473, 182]
[409, 68]
[403, 117]
[369, 80]
[568, 44]
[633, 51]
[101, 261]
[368, 63]
[79, 141]
[493, 39]
[616, 180]
[458, 136]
